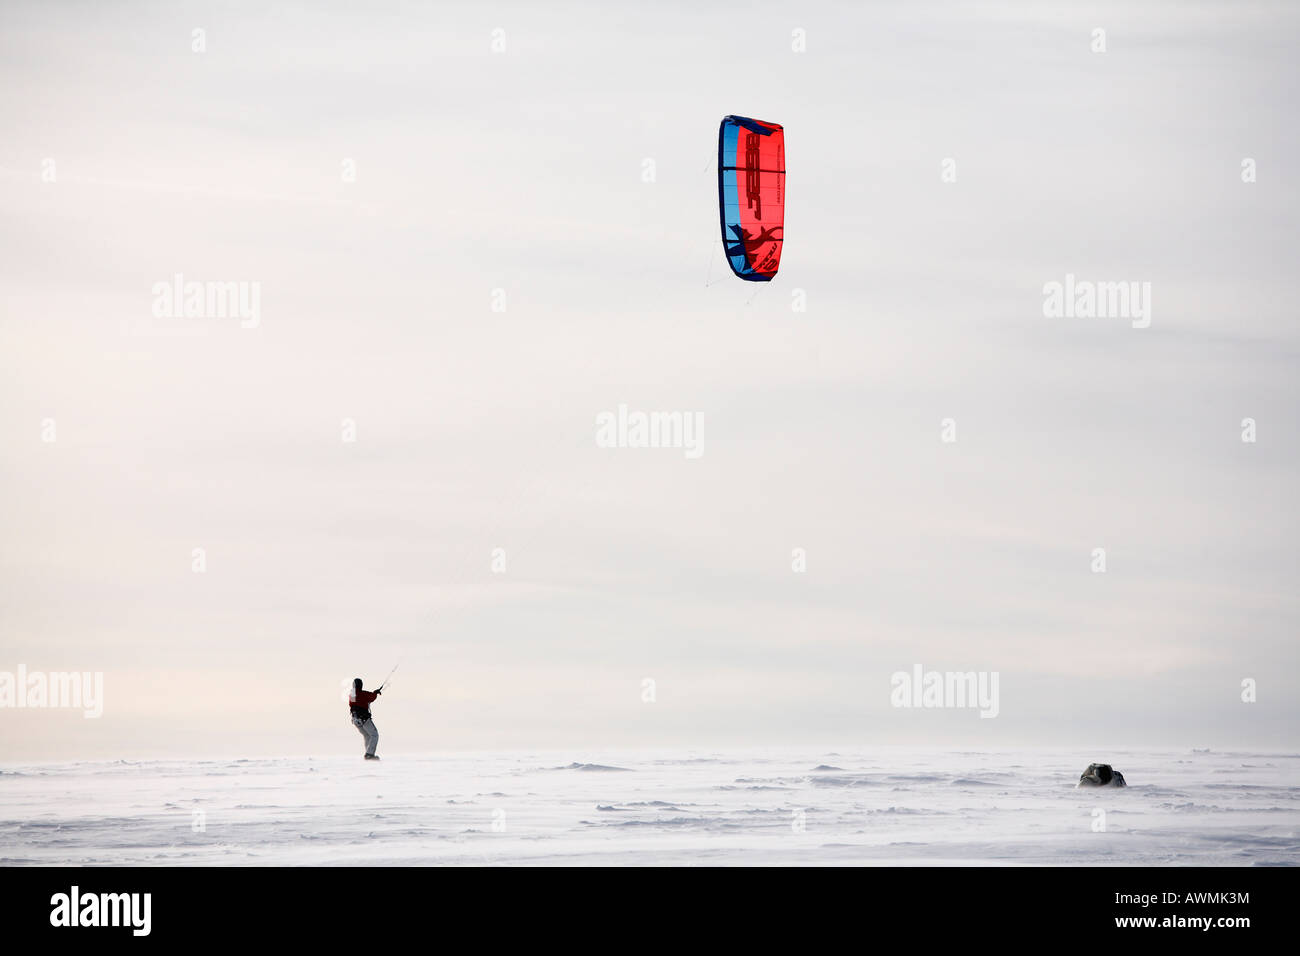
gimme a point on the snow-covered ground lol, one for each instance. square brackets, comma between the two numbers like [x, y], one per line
[881, 806]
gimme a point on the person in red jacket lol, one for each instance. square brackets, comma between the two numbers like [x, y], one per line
[359, 702]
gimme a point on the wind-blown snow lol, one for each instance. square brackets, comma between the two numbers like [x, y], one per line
[867, 807]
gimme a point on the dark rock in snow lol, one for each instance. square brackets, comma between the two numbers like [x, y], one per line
[1101, 775]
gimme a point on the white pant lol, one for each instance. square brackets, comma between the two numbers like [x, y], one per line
[366, 728]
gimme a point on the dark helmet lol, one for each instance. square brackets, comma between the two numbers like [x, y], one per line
[356, 682]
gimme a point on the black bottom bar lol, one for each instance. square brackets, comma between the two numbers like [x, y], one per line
[332, 906]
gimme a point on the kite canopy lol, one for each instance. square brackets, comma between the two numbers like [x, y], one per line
[751, 195]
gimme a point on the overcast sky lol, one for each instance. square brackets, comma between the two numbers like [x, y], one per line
[526, 170]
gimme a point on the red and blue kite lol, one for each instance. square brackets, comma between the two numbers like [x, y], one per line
[751, 195]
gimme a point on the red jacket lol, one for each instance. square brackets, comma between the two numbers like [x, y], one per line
[359, 702]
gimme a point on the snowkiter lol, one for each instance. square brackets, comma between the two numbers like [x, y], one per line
[359, 702]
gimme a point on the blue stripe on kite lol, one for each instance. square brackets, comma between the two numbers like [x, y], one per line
[729, 135]
[731, 204]
[729, 195]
